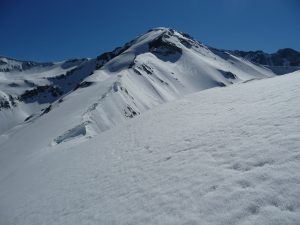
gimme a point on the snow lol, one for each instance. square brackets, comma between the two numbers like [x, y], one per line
[168, 131]
[146, 78]
[225, 155]
[14, 83]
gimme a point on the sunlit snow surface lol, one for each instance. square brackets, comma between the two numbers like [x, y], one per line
[157, 67]
[221, 156]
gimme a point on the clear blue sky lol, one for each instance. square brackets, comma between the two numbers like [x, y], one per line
[46, 30]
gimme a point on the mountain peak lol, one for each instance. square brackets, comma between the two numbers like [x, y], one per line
[159, 29]
[160, 41]
[157, 66]
[288, 52]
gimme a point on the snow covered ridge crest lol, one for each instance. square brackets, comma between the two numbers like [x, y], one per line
[9, 64]
[157, 67]
[220, 156]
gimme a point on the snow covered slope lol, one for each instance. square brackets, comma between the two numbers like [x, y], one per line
[157, 67]
[219, 156]
[89, 141]
[28, 88]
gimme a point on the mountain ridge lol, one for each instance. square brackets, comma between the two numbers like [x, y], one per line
[238, 52]
[155, 61]
[164, 130]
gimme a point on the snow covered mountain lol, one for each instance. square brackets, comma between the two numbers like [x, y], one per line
[159, 66]
[219, 156]
[28, 88]
[58, 166]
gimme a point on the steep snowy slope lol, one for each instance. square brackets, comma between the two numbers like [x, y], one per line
[220, 156]
[157, 67]
[27, 88]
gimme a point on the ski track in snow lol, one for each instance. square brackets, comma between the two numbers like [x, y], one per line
[221, 156]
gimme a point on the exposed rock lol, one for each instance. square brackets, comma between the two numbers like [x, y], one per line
[162, 46]
[29, 94]
[130, 112]
[228, 75]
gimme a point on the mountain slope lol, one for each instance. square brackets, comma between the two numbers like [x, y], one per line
[157, 67]
[223, 155]
[28, 88]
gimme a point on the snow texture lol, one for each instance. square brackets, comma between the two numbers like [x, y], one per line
[220, 156]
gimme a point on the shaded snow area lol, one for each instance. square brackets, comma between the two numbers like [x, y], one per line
[226, 155]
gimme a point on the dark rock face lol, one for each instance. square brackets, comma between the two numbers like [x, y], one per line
[12, 101]
[189, 41]
[257, 56]
[7, 102]
[164, 49]
[283, 61]
[161, 46]
[228, 75]
[37, 93]
[54, 87]
[292, 56]
[103, 58]
[4, 104]
[283, 57]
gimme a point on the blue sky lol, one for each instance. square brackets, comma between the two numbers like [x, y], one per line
[47, 30]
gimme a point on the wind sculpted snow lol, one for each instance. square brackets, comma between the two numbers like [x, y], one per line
[220, 156]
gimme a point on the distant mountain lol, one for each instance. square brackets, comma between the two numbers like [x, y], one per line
[10, 65]
[283, 61]
[28, 88]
